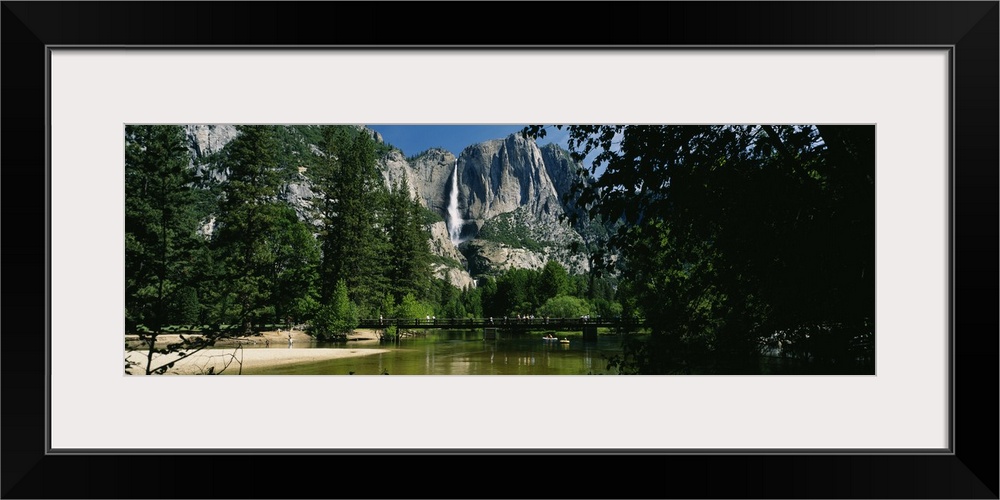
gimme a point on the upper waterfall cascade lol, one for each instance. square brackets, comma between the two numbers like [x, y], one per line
[454, 218]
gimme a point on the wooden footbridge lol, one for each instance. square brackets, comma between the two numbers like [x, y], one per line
[504, 327]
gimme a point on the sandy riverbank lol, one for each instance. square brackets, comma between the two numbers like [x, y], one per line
[270, 339]
[255, 356]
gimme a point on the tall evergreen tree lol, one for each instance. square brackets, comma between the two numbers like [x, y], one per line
[294, 272]
[472, 302]
[338, 317]
[350, 240]
[553, 282]
[517, 292]
[489, 297]
[408, 262]
[161, 243]
[250, 224]
[159, 225]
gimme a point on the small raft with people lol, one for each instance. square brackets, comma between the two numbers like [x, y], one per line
[551, 338]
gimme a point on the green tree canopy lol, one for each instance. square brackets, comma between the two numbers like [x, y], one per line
[564, 306]
[353, 248]
[554, 281]
[164, 254]
[251, 226]
[159, 225]
[412, 308]
[338, 317]
[408, 254]
[732, 233]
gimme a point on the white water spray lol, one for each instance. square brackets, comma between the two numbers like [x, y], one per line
[454, 219]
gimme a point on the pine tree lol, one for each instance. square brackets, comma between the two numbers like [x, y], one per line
[553, 282]
[353, 190]
[408, 262]
[338, 317]
[160, 233]
[250, 224]
[294, 272]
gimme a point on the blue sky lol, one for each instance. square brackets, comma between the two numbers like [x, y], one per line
[413, 139]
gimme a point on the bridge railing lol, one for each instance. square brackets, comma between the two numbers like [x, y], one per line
[495, 322]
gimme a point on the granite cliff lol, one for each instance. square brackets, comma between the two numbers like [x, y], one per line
[504, 213]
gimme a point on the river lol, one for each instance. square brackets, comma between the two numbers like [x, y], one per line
[464, 352]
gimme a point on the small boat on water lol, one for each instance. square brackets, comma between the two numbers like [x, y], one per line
[550, 338]
[564, 341]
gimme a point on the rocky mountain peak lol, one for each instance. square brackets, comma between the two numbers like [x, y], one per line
[501, 175]
[205, 140]
[509, 183]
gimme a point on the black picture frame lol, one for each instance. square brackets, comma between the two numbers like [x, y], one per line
[970, 28]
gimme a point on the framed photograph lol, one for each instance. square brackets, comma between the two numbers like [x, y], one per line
[89, 87]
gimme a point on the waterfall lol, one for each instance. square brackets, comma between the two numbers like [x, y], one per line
[454, 219]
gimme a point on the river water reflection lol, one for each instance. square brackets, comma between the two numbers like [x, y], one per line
[460, 352]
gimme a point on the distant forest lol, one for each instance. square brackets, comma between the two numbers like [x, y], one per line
[233, 254]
